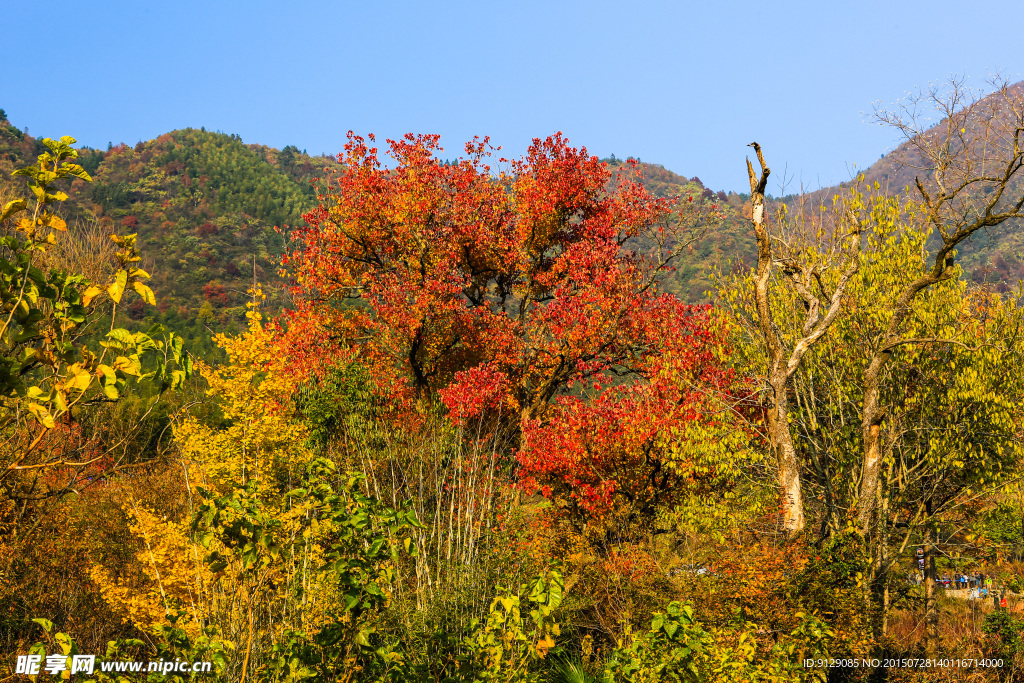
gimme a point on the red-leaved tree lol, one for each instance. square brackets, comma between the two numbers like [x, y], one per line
[639, 446]
[504, 293]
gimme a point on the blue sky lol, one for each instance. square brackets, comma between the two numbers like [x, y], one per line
[686, 85]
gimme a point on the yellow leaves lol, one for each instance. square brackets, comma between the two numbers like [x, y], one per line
[107, 372]
[252, 312]
[53, 221]
[33, 226]
[145, 292]
[116, 288]
[127, 275]
[120, 283]
[26, 225]
[173, 579]
[129, 366]
[127, 243]
[79, 378]
[60, 400]
[90, 294]
[545, 644]
[41, 414]
[11, 208]
[254, 389]
[44, 197]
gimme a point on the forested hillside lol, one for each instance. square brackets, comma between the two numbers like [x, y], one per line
[988, 257]
[720, 247]
[205, 207]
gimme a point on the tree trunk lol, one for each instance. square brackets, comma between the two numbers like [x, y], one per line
[886, 601]
[879, 567]
[778, 373]
[786, 460]
[931, 610]
[783, 358]
[871, 432]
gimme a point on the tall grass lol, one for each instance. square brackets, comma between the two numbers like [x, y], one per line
[960, 637]
[459, 481]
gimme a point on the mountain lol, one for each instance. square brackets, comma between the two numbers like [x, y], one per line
[205, 206]
[994, 257]
[728, 244]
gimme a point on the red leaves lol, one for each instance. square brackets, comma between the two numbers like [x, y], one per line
[206, 229]
[475, 390]
[501, 294]
[457, 267]
[216, 294]
[618, 441]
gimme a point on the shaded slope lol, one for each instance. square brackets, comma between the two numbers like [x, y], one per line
[994, 257]
[729, 244]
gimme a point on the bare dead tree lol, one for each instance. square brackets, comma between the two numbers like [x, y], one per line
[89, 251]
[807, 273]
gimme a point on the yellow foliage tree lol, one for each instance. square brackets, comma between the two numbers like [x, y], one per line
[273, 555]
[174, 580]
[262, 444]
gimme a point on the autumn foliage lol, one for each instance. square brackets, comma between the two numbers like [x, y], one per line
[484, 443]
[496, 289]
[630, 441]
[512, 296]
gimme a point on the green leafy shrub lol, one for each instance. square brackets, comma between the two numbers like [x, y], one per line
[508, 646]
[678, 649]
[1008, 630]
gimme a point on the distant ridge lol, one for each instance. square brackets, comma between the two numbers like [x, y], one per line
[205, 205]
[996, 258]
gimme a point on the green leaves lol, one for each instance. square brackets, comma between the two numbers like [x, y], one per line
[47, 312]
[678, 648]
[359, 540]
[505, 644]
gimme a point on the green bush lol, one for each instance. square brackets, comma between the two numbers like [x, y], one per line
[678, 649]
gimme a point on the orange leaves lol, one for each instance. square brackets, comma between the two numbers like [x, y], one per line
[758, 580]
[631, 563]
[500, 294]
[629, 442]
